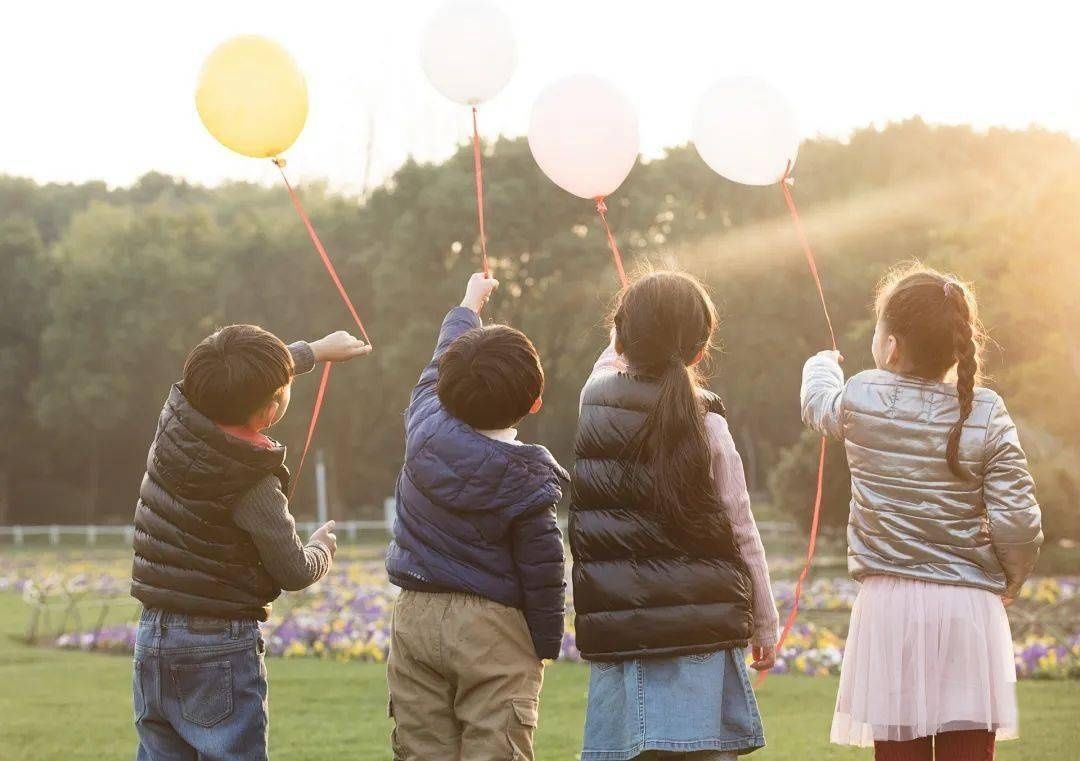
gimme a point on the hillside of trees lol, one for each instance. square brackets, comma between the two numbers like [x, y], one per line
[103, 291]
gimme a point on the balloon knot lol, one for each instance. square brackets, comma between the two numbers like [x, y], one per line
[601, 207]
[278, 162]
[787, 179]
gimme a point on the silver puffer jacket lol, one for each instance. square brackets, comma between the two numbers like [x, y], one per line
[910, 516]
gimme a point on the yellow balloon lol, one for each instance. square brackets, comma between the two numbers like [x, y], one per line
[252, 97]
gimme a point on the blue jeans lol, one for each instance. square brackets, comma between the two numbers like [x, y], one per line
[199, 689]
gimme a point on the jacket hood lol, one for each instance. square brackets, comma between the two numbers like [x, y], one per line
[194, 458]
[461, 469]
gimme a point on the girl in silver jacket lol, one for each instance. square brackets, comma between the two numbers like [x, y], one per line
[944, 528]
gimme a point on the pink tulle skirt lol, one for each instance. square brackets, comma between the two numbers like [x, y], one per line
[924, 658]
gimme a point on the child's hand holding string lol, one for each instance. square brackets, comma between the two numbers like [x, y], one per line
[340, 346]
[478, 291]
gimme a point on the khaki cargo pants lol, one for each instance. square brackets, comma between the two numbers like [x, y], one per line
[464, 679]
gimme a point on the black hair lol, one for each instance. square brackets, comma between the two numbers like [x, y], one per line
[664, 323]
[235, 372]
[490, 377]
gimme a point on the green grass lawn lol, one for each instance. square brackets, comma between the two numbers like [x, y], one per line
[65, 706]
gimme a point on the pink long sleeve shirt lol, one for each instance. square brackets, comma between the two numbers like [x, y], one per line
[728, 474]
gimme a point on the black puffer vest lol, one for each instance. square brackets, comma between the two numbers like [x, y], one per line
[639, 589]
[189, 555]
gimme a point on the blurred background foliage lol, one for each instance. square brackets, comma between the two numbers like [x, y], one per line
[103, 291]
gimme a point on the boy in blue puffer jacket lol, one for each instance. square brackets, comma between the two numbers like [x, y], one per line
[477, 550]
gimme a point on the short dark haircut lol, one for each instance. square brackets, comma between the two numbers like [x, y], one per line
[235, 372]
[490, 377]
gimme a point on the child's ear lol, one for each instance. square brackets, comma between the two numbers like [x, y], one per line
[698, 357]
[265, 417]
[536, 405]
[892, 351]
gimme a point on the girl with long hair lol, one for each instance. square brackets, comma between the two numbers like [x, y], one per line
[670, 578]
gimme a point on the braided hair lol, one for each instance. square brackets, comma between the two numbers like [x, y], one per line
[935, 320]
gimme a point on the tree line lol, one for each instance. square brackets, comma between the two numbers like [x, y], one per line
[103, 290]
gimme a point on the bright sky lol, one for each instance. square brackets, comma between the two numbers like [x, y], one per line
[104, 89]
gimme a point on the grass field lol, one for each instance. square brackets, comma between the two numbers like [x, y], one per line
[64, 706]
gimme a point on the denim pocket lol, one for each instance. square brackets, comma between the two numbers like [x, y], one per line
[205, 691]
[703, 657]
[138, 697]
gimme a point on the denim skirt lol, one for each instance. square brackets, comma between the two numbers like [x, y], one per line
[681, 705]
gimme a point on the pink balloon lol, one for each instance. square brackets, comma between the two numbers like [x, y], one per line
[468, 50]
[745, 130]
[584, 135]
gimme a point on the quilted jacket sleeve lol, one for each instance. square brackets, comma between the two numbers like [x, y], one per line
[822, 395]
[538, 554]
[1011, 508]
[457, 321]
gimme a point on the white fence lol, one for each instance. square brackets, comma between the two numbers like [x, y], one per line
[349, 529]
[91, 534]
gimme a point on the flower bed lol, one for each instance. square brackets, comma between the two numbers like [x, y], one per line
[347, 616]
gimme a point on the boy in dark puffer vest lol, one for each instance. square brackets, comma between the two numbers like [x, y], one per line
[477, 549]
[215, 544]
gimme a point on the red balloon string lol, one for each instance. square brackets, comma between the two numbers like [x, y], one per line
[810, 548]
[601, 209]
[785, 187]
[319, 396]
[330, 269]
[325, 380]
[478, 173]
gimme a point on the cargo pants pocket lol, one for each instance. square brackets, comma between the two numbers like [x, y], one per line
[521, 724]
[395, 744]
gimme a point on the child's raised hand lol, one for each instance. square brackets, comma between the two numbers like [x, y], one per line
[339, 346]
[764, 657]
[325, 535]
[478, 291]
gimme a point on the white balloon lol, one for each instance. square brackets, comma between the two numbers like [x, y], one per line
[584, 135]
[746, 131]
[468, 52]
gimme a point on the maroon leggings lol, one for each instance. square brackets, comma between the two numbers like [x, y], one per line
[971, 745]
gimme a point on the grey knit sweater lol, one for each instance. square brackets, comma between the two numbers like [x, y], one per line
[264, 514]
